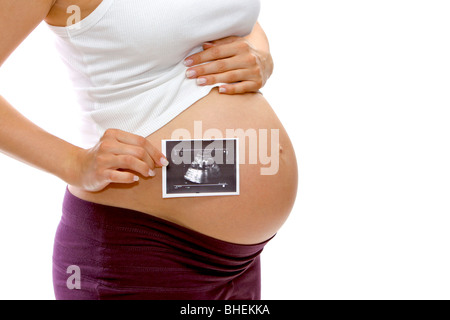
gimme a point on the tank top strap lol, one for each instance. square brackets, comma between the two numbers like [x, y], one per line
[86, 23]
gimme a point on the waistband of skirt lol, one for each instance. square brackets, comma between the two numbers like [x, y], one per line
[76, 210]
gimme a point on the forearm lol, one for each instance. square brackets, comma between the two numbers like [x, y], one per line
[25, 141]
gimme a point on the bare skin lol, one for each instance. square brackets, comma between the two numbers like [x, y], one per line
[108, 172]
[264, 201]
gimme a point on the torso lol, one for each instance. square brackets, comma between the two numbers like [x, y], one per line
[265, 201]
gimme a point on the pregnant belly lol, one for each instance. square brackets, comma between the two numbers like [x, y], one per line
[268, 172]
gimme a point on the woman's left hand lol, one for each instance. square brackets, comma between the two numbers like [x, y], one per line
[232, 60]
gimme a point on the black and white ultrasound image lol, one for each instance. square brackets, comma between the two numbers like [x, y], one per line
[201, 167]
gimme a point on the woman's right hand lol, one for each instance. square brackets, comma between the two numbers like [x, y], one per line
[117, 158]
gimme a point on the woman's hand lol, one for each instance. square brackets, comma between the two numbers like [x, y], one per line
[111, 159]
[231, 60]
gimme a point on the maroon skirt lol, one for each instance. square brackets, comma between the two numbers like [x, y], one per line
[104, 252]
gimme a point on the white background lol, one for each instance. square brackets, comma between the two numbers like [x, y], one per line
[362, 87]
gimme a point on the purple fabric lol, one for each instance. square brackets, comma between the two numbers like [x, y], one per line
[126, 254]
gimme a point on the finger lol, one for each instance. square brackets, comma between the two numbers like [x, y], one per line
[240, 87]
[126, 137]
[222, 41]
[116, 176]
[119, 148]
[225, 77]
[218, 66]
[213, 53]
[158, 157]
[128, 162]
[136, 140]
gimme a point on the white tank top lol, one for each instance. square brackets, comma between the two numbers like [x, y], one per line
[126, 59]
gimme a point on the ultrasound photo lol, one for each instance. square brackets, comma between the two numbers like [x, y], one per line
[200, 168]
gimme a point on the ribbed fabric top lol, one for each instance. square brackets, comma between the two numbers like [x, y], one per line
[126, 59]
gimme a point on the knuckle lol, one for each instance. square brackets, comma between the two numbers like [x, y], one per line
[109, 175]
[221, 66]
[231, 90]
[258, 72]
[149, 161]
[234, 77]
[100, 172]
[211, 79]
[128, 160]
[109, 133]
[100, 160]
[215, 52]
[142, 141]
[251, 59]
[140, 153]
[199, 70]
[237, 91]
[151, 149]
[104, 146]
[243, 45]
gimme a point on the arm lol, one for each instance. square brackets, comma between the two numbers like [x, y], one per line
[24, 141]
[19, 137]
[91, 169]
[245, 63]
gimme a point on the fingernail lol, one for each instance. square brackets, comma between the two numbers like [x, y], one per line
[222, 90]
[136, 178]
[208, 43]
[188, 62]
[201, 81]
[164, 161]
[191, 73]
[151, 173]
